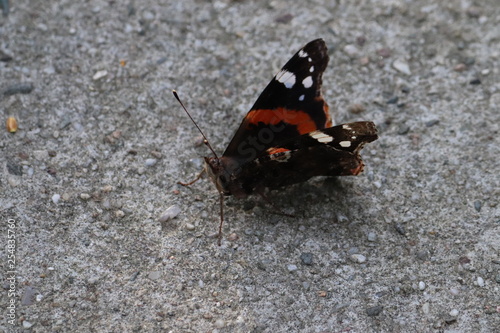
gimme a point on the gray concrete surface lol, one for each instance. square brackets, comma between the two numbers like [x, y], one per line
[412, 245]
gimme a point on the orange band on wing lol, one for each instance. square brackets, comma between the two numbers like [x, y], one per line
[272, 151]
[326, 109]
[357, 170]
[298, 118]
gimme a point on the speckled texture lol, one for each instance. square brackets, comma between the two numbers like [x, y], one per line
[90, 177]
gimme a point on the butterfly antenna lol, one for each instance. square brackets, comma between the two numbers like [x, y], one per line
[205, 140]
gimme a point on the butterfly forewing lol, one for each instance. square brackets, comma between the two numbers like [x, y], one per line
[290, 105]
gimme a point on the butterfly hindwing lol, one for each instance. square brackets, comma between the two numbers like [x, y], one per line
[346, 137]
[333, 151]
[290, 105]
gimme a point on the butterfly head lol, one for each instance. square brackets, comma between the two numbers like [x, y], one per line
[223, 172]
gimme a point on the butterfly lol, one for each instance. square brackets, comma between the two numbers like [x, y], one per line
[288, 136]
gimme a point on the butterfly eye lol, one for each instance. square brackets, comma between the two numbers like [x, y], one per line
[222, 179]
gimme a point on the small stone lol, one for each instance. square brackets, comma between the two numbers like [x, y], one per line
[400, 228]
[393, 100]
[364, 61]
[485, 71]
[460, 67]
[480, 281]
[40, 155]
[170, 213]
[291, 268]
[190, 226]
[150, 162]
[341, 218]
[65, 122]
[27, 324]
[403, 129]
[384, 52]
[119, 213]
[432, 122]
[473, 12]
[116, 134]
[156, 154]
[477, 205]
[52, 171]
[19, 88]
[99, 75]
[401, 66]
[307, 258]
[422, 255]
[14, 181]
[361, 40]
[374, 310]
[14, 169]
[106, 204]
[219, 323]
[28, 296]
[11, 124]
[372, 237]
[148, 15]
[107, 188]
[454, 313]
[475, 82]
[353, 250]
[421, 285]
[358, 258]
[426, 308]
[155, 275]
[351, 50]
[322, 293]
[356, 108]
[285, 18]
[233, 237]
[85, 196]
[55, 198]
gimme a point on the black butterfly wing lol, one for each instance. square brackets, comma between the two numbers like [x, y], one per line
[290, 105]
[333, 151]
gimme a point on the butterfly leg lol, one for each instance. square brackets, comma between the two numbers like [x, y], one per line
[221, 198]
[194, 180]
[260, 191]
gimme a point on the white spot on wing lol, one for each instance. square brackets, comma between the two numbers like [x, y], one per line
[346, 127]
[286, 77]
[303, 54]
[311, 69]
[281, 156]
[309, 59]
[353, 137]
[321, 137]
[345, 144]
[307, 82]
[301, 98]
